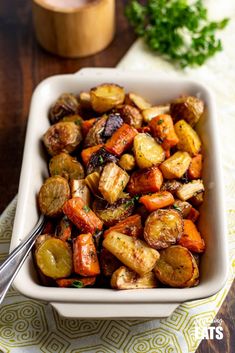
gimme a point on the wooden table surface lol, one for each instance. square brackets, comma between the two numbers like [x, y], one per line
[23, 64]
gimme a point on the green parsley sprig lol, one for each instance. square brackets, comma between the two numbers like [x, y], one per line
[176, 29]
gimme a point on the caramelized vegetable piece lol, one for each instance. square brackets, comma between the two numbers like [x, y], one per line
[162, 127]
[66, 166]
[64, 229]
[92, 181]
[183, 207]
[124, 278]
[108, 262]
[138, 101]
[95, 134]
[41, 238]
[81, 215]
[158, 200]
[197, 199]
[191, 238]
[176, 165]
[53, 194]
[130, 226]
[80, 189]
[99, 159]
[112, 182]
[54, 258]
[62, 137]
[186, 191]
[88, 152]
[189, 140]
[76, 119]
[132, 252]
[152, 112]
[127, 162]
[193, 215]
[85, 100]
[145, 180]
[113, 123]
[147, 151]
[76, 282]
[121, 140]
[188, 108]
[131, 115]
[163, 228]
[66, 104]
[87, 125]
[177, 267]
[111, 214]
[171, 186]
[85, 260]
[195, 168]
[106, 96]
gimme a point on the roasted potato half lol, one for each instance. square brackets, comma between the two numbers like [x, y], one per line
[150, 113]
[95, 134]
[65, 105]
[147, 151]
[189, 140]
[138, 101]
[163, 228]
[124, 278]
[127, 162]
[177, 267]
[106, 96]
[66, 166]
[175, 166]
[189, 108]
[131, 115]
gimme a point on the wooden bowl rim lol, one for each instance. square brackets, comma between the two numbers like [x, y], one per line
[87, 7]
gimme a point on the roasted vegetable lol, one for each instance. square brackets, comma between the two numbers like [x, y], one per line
[171, 186]
[87, 125]
[193, 215]
[95, 134]
[62, 137]
[85, 100]
[80, 189]
[130, 226]
[131, 115]
[111, 214]
[88, 152]
[108, 262]
[113, 181]
[195, 168]
[197, 199]
[82, 216]
[144, 181]
[188, 108]
[186, 191]
[66, 166]
[121, 140]
[76, 119]
[113, 123]
[85, 260]
[175, 166]
[177, 267]
[152, 112]
[162, 128]
[92, 181]
[191, 238]
[127, 162]
[163, 228]
[133, 253]
[106, 96]
[66, 104]
[147, 151]
[137, 101]
[124, 278]
[158, 200]
[183, 207]
[99, 159]
[76, 282]
[189, 140]
[52, 196]
[54, 258]
[64, 229]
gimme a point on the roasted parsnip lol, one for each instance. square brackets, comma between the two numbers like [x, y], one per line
[124, 278]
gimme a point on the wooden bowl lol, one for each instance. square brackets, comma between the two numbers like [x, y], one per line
[74, 32]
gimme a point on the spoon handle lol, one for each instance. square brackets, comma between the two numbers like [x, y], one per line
[10, 267]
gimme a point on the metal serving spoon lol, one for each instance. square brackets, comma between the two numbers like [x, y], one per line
[10, 267]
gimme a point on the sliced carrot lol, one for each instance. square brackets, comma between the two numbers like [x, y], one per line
[121, 140]
[85, 260]
[162, 126]
[64, 229]
[145, 129]
[193, 214]
[191, 238]
[86, 125]
[76, 282]
[158, 200]
[87, 153]
[167, 153]
[81, 215]
[130, 226]
[145, 180]
[195, 168]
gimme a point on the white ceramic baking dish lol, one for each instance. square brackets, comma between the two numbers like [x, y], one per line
[107, 303]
